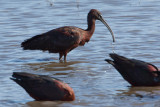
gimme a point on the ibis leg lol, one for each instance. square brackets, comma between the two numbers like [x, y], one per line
[65, 55]
[60, 56]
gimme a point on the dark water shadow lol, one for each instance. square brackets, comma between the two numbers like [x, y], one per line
[33, 60]
[46, 103]
[141, 92]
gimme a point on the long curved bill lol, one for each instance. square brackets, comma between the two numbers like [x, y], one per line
[110, 30]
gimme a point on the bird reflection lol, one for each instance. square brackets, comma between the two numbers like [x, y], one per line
[44, 103]
[55, 67]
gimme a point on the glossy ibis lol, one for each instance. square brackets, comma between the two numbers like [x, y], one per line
[44, 88]
[136, 72]
[64, 39]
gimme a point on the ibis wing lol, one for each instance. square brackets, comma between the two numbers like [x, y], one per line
[38, 86]
[44, 89]
[136, 72]
[53, 41]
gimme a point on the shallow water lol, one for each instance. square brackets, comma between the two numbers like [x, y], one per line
[135, 24]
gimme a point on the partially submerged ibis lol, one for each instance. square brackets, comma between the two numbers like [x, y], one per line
[64, 39]
[136, 72]
[44, 88]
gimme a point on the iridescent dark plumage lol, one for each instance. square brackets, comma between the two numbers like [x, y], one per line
[136, 72]
[64, 39]
[44, 88]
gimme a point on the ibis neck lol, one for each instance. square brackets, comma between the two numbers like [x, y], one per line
[91, 27]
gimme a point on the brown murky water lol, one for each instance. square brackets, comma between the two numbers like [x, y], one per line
[136, 25]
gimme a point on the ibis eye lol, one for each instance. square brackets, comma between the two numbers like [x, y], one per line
[99, 16]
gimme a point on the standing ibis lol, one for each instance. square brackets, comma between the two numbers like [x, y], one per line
[64, 39]
[136, 72]
[43, 88]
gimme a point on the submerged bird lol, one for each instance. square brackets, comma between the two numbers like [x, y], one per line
[136, 72]
[44, 88]
[64, 39]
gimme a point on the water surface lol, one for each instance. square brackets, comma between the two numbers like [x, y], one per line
[135, 24]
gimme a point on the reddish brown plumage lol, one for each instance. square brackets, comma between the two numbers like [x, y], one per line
[64, 39]
[136, 72]
[44, 88]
